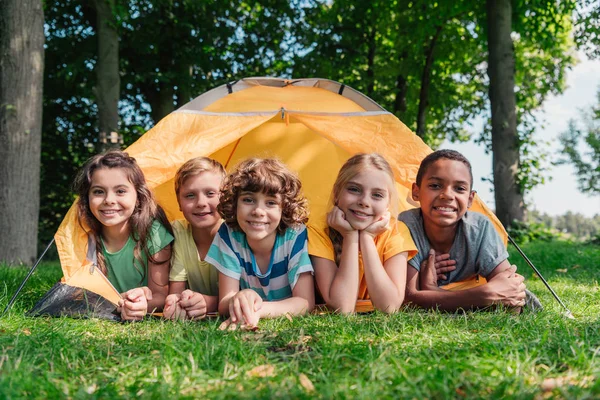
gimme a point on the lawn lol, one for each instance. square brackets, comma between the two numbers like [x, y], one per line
[413, 354]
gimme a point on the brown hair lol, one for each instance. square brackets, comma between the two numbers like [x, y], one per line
[269, 176]
[439, 154]
[145, 212]
[196, 166]
[353, 166]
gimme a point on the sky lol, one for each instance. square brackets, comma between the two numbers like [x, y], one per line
[560, 194]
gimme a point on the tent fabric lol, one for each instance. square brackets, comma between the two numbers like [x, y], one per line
[307, 123]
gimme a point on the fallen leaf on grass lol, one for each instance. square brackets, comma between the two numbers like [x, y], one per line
[262, 371]
[460, 392]
[563, 270]
[26, 332]
[288, 316]
[306, 383]
[550, 384]
[576, 266]
[301, 340]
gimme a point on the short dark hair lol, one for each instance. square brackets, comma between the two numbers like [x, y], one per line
[439, 154]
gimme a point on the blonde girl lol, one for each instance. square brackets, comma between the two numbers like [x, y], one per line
[132, 235]
[358, 251]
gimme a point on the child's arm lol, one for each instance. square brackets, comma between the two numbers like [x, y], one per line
[339, 284]
[386, 282]
[137, 302]
[504, 287]
[158, 279]
[301, 302]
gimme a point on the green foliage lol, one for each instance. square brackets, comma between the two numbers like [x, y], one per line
[525, 232]
[170, 52]
[582, 149]
[413, 354]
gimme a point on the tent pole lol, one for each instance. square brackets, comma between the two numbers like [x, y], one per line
[12, 300]
[567, 311]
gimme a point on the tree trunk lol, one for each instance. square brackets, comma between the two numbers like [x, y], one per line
[107, 74]
[371, 63]
[501, 71]
[21, 84]
[425, 84]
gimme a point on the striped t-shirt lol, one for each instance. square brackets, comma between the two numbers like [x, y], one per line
[232, 256]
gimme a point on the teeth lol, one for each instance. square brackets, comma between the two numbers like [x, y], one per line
[445, 208]
[360, 214]
[257, 224]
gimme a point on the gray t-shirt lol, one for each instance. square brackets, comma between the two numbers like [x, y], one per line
[477, 247]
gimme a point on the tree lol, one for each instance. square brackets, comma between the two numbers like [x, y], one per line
[21, 77]
[108, 86]
[505, 146]
[581, 146]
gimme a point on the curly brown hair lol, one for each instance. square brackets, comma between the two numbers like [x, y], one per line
[271, 177]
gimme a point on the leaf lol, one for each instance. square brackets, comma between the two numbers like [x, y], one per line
[26, 332]
[306, 383]
[289, 317]
[562, 270]
[262, 371]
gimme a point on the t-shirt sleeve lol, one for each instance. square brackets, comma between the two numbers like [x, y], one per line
[319, 243]
[399, 241]
[299, 261]
[178, 272]
[411, 220]
[492, 250]
[159, 238]
[222, 254]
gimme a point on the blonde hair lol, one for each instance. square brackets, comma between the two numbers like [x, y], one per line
[269, 176]
[352, 167]
[196, 166]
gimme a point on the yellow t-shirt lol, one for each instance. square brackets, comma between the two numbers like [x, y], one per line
[186, 264]
[395, 240]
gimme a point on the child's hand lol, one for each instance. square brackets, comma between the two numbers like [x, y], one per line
[337, 220]
[193, 303]
[134, 304]
[173, 309]
[243, 307]
[428, 274]
[443, 264]
[507, 288]
[379, 226]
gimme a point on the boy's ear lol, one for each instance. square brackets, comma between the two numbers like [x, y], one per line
[471, 197]
[415, 192]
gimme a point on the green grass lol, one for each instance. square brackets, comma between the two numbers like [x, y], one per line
[413, 354]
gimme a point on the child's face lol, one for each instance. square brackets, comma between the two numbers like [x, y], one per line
[445, 192]
[365, 198]
[112, 197]
[198, 199]
[258, 215]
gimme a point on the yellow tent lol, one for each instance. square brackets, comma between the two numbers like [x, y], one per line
[313, 125]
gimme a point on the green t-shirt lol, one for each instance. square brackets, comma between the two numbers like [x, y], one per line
[124, 271]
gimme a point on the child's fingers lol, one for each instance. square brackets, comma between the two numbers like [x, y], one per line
[197, 313]
[442, 257]
[247, 309]
[225, 324]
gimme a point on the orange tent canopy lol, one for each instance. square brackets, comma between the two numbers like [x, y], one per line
[313, 125]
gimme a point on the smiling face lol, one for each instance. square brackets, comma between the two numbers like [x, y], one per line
[365, 197]
[198, 199]
[444, 193]
[258, 216]
[112, 198]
